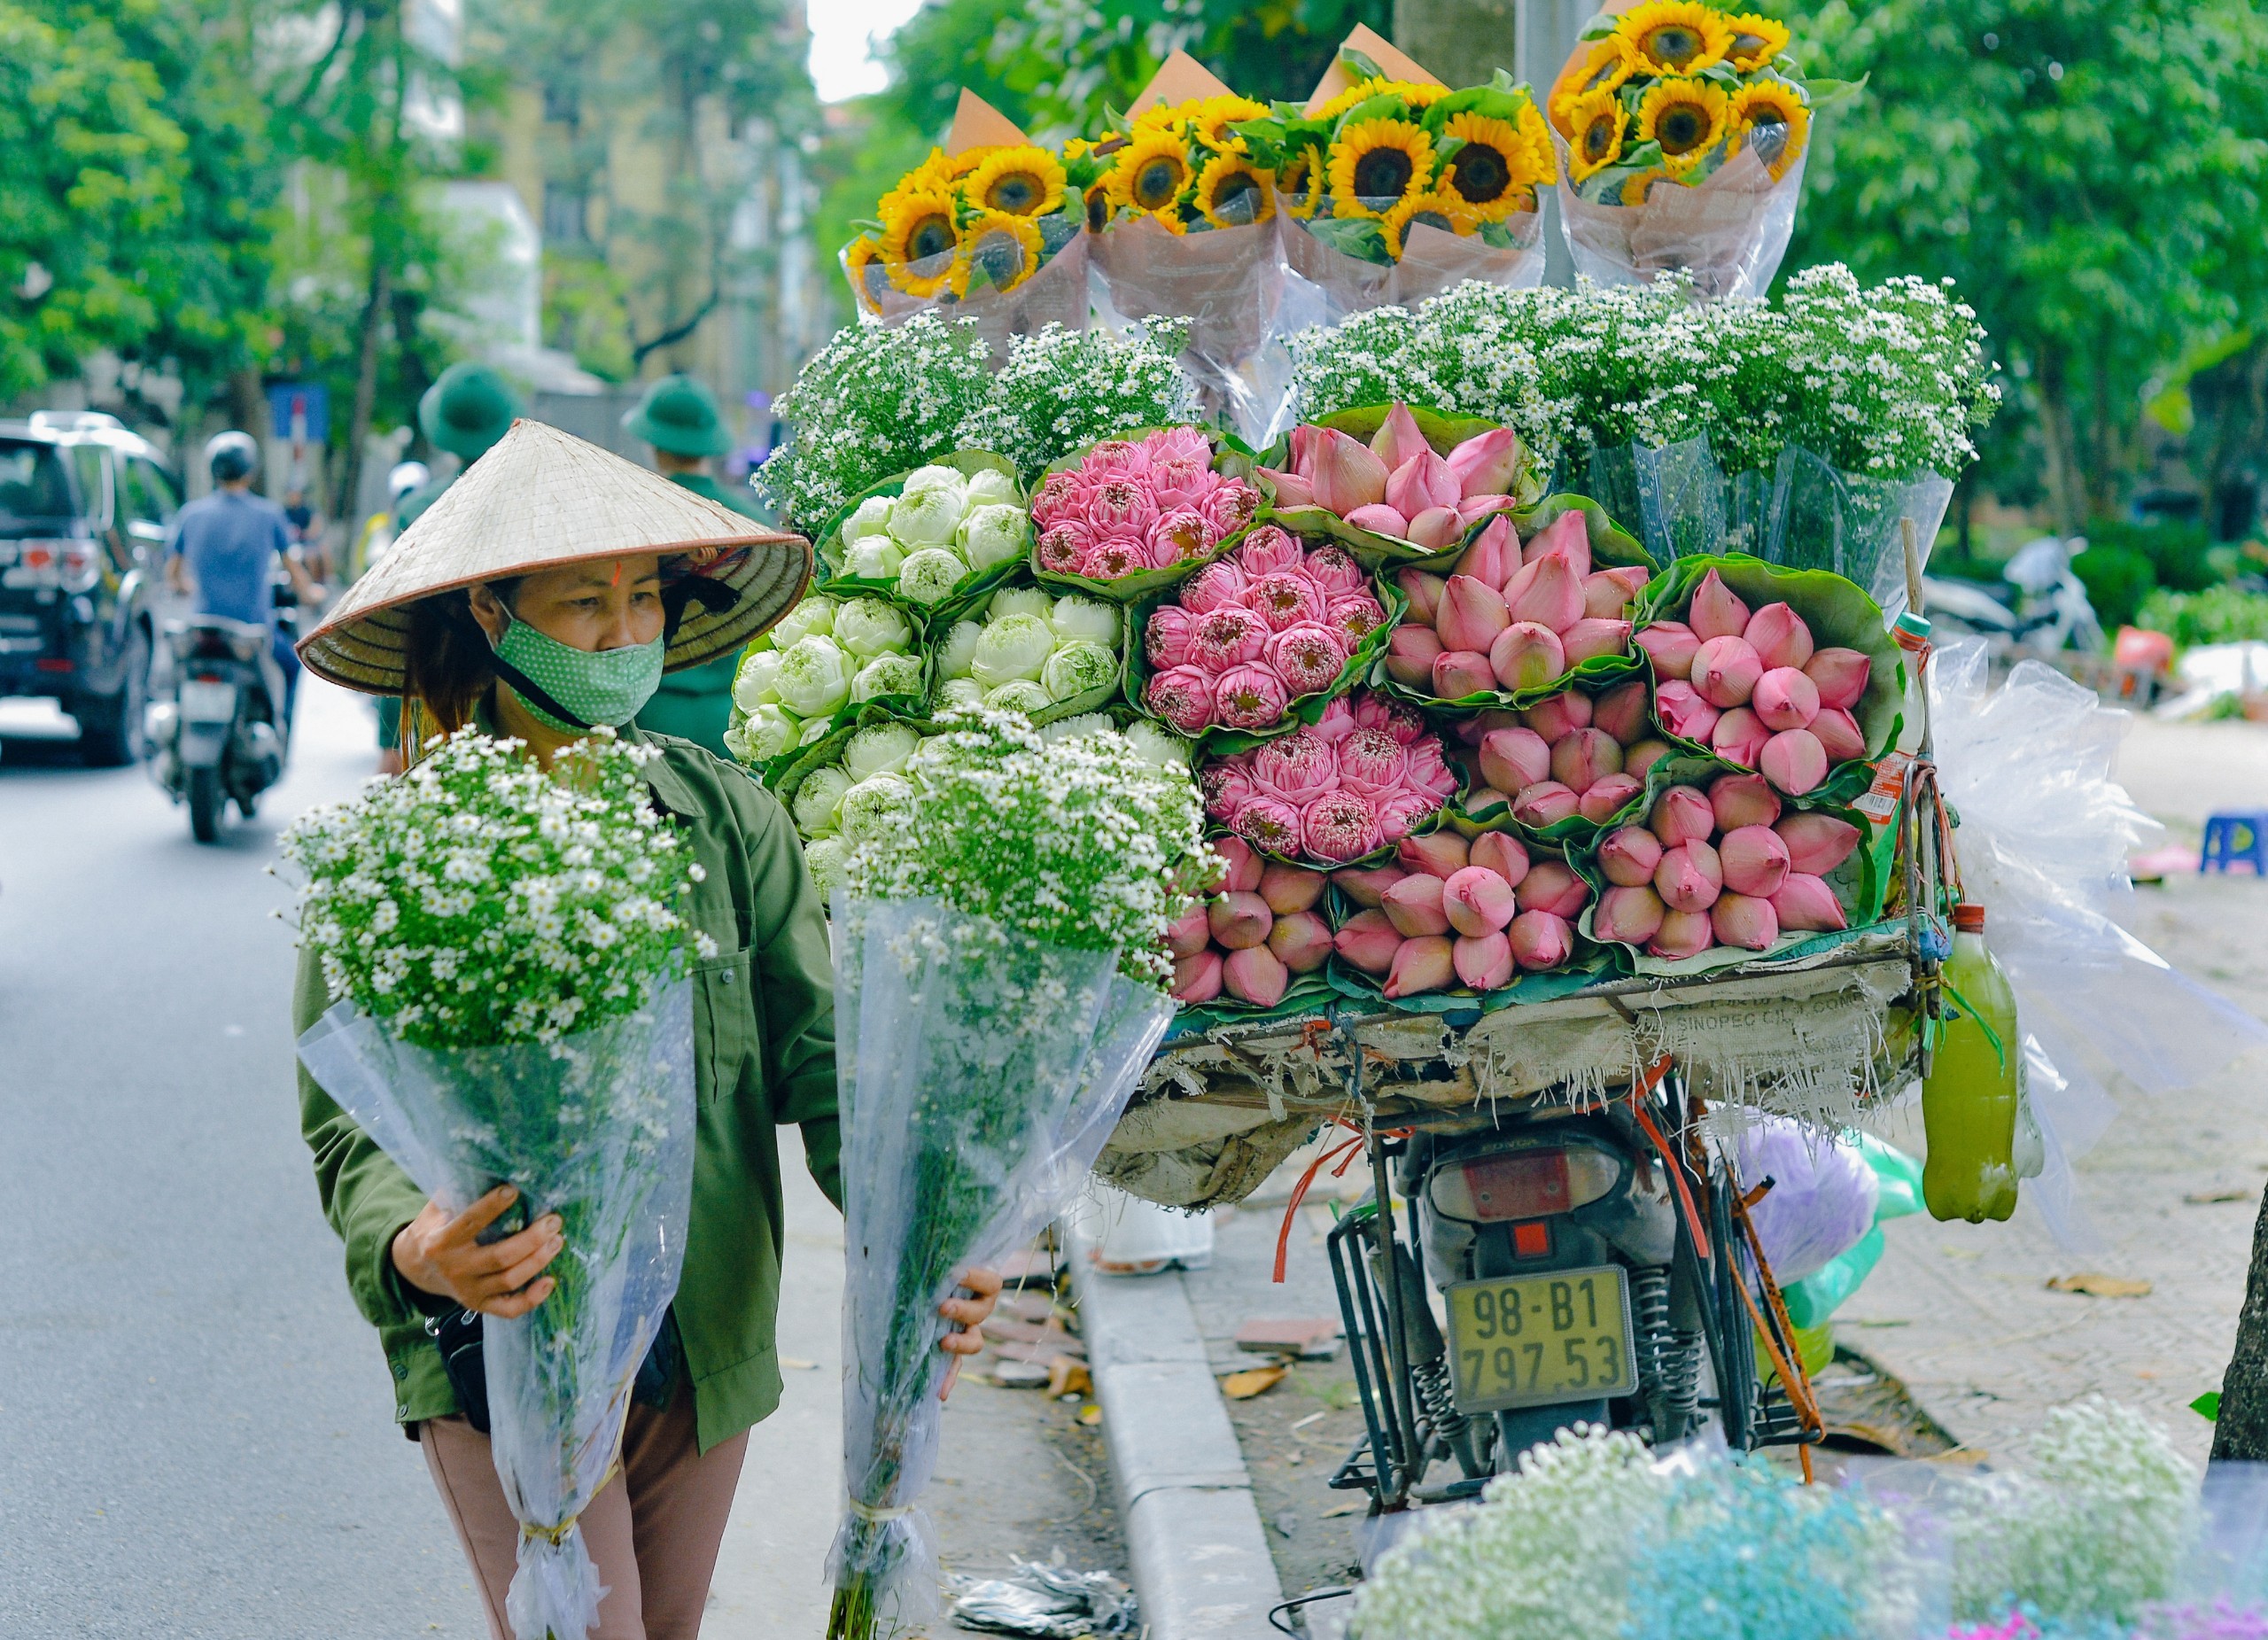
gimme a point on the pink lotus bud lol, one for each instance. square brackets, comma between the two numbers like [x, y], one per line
[1486, 805]
[1256, 975]
[1183, 696]
[1477, 901]
[1247, 868]
[1366, 885]
[1621, 711]
[1779, 637]
[1216, 586]
[1717, 612]
[1196, 977]
[1679, 708]
[1460, 672]
[1435, 527]
[1580, 759]
[1427, 963]
[1682, 934]
[1551, 885]
[1607, 593]
[1689, 878]
[1557, 716]
[1409, 656]
[1472, 614]
[1291, 489]
[1785, 699]
[1484, 962]
[1673, 646]
[1546, 802]
[1541, 940]
[1817, 843]
[1794, 761]
[1424, 592]
[1626, 857]
[1681, 814]
[1740, 800]
[1725, 671]
[1546, 592]
[1346, 476]
[1191, 932]
[1414, 905]
[1841, 676]
[1367, 941]
[1500, 853]
[1754, 861]
[1486, 463]
[1569, 535]
[1739, 737]
[1472, 508]
[1608, 795]
[1493, 555]
[1239, 920]
[1839, 737]
[1422, 482]
[1381, 519]
[1512, 759]
[1644, 756]
[1289, 888]
[1744, 921]
[1250, 697]
[1398, 437]
[1588, 639]
[1805, 905]
[1526, 656]
[1632, 915]
[1301, 941]
[1437, 854]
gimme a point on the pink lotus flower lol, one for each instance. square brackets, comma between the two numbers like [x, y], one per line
[1725, 672]
[1682, 934]
[1300, 941]
[1425, 964]
[1355, 616]
[1794, 761]
[1415, 906]
[1063, 547]
[1306, 439]
[1608, 796]
[1166, 638]
[1500, 853]
[1231, 636]
[1526, 656]
[1421, 482]
[1779, 637]
[1296, 767]
[1486, 463]
[1689, 877]
[1583, 758]
[1477, 901]
[1542, 941]
[1435, 528]
[1379, 519]
[1644, 756]
[1682, 815]
[1196, 977]
[1288, 888]
[1606, 592]
[1839, 737]
[1409, 656]
[1484, 964]
[1308, 658]
[1546, 802]
[1113, 558]
[1679, 708]
[1344, 473]
[1785, 699]
[1053, 497]
[1340, 826]
[1337, 722]
[1113, 456]
[1425, 593]
[1398, 437]
[1216, 586]
[1367, 941]
[1546, 592]
[1460, 672]
[1238, 920]
[1472, 614]
[1291, 490]
[1805, 904]
[1632, 915]
[1403, 811]
[1589, 639]
[1628, 857]
[1841, 676]
[1621, 711]
[1242, 869]
[1182, 533]
[1366, 885]
[1569, 536]
[1817, 843]
[1270, 823]
[1493, 556]
[1437, 854]
[1755, 861]
[1177, 443]
[1514, 759]
[1739, 737]
[1717, 610]
[1285, 598]
[1227, 785]
[1556, 716]
[1744, 921]
[1375, 711]
[1426, 772]
[1472, 508]
[1250, 697]
[1552, 886]
[1183, 696]
[1267, 550]
[1673, 646]
[1178, 482]
[1372, 762]
[1333, 568]
[1189, 933]
[1739, 800]
[1256, 975]
[1122, 506]
[1230, 507]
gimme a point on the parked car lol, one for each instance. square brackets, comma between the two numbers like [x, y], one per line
[84, 509]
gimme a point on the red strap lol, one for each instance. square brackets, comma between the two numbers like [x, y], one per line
[1345, 1148]
[1669, 1158]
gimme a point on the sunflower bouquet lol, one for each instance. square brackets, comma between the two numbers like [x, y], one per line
[1681, 131]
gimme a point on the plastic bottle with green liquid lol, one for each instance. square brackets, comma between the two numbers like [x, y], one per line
[1969, 1101]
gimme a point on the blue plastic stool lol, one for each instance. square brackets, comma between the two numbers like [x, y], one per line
[2233, 837]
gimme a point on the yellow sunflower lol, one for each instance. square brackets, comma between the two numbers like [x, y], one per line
[1022, 180]
[1604, 69]
[1636, 189]
[1210, 121]
[1755, 40]
[1767, 103]
[959, 165]
[1497, 161]
[1005, 245]
[933, 172]
[916, 227]
[1412, 95]
[1300, 181]
[1440, 207]
[1666, 37]
[1231, 192]
[1687, 117]
[1596, 124]
[1375, 162]
[1153, 170]
[858, 256]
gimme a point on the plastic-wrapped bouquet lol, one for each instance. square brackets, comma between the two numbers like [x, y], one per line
[1130, 514]
[999, 988]
[1363, 776]
[504, 946]
[1041, 656]
[824, 655]
[933, 534]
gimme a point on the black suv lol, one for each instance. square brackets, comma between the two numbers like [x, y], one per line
[84, 510]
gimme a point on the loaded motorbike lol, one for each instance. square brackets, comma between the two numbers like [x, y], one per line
[222, 735]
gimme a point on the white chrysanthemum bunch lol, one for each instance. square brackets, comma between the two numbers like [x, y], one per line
[1064, 389]
[478, 900]
[942, 527]
[1080, 842]
[824, 655]
[1031, 652]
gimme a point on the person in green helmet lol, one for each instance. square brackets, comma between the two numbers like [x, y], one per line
[679, 417]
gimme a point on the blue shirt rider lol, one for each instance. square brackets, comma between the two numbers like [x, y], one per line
[224, 547]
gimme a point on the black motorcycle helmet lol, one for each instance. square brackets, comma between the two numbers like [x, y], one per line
[231, 455]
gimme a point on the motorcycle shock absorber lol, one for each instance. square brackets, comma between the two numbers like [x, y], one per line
[1669, 1361]
[1429, 1369]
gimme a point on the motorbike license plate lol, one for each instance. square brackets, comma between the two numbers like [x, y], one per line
[1531, 1340]
[207, 702]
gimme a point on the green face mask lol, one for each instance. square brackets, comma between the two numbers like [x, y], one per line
[593, 688]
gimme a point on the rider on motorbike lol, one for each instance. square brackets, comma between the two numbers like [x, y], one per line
[225, 547]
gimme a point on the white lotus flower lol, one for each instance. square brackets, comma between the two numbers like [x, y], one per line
[1018, 695]
[814, 614]
[928, 508]
[988, 486]
[1019, 601]
[1072, 729]
[1075, 617]
[874, 807]
[887, 674]
[872, 518]
[879, 748]
[931, 575]
[874, 558]
[993, 535]
[817, 800]
[1076, 668]
[767, 733]
[824, 859]
[817, 730]
[959, 694]
[752, 687]
[1011, 647]
[868, 626]
[814, 677]
[1159, 746]
[958, 649]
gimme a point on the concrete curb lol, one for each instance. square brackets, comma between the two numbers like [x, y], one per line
[1200, 1562]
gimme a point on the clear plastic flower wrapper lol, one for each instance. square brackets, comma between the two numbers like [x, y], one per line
[1729, 232]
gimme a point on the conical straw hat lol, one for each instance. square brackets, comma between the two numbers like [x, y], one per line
[539, 499]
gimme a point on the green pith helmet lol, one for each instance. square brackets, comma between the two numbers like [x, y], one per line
[680, 414]
[467, 409]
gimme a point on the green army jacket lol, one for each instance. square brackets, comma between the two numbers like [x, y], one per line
[764, 1041]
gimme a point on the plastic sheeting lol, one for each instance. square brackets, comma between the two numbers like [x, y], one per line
[2044, 835]
[982, 1072]
[1054, 294]
[1729, 232]
[597, 1128]
[1823, 1196]
[1225, 283]
[1434, 259]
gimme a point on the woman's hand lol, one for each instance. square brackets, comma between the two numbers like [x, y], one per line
[443, 1256]
[983, 1288]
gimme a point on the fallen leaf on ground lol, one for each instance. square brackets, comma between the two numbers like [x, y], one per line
[2095, 1284]
[1255, 1381]
[2201, 1198]
[798, 1365]
[1091, 1416]
[1067, 1377]
[1354, 1508]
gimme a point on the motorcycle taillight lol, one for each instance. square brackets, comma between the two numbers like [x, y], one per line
[1522, 1184]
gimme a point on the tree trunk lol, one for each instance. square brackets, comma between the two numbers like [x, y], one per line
[2101, 502]
[366, 381]
[2059, 438]
[2241, 1430]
